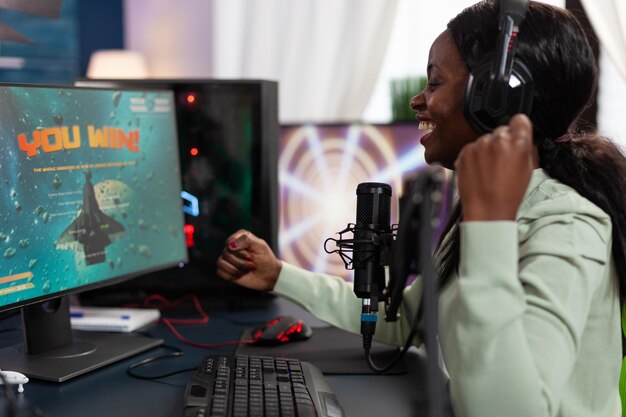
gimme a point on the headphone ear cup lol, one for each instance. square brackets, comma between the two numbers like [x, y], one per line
[485, 110]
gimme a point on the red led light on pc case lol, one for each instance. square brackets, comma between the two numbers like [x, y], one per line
[189, 230]
[194, 151]
[190, 100]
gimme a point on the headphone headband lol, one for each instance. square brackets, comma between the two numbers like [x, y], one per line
[512, 14]
[515, 9]
[497, 90]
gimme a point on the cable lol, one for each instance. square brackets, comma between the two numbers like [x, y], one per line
[201, 344]
[163, 303]
[367, 343]
[409, 341]
[176, 353]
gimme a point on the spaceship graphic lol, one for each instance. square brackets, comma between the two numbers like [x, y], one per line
[92, 230]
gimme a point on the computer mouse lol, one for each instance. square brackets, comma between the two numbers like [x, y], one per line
[282, 329]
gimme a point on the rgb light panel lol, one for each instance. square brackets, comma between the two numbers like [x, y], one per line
[320, 167]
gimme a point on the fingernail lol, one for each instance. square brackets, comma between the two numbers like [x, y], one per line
[232, 244]
[251, 267]
[248, 258]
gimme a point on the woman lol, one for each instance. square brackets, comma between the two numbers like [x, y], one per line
[534, 256]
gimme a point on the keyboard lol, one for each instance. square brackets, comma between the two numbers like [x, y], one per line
[263, 386]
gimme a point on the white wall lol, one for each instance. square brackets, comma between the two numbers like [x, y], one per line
[174, 37]
[415, 29]
[611, 103]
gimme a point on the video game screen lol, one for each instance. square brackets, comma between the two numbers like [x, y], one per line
[90, 184]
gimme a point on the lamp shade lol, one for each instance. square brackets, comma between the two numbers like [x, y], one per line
[117, 63]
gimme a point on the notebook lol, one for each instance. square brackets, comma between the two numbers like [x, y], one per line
[108, 319]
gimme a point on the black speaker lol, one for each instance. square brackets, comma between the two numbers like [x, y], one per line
[503, 86]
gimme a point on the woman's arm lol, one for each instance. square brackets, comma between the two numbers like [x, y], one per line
[514, 319]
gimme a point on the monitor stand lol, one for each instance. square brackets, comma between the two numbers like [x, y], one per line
[53, 352]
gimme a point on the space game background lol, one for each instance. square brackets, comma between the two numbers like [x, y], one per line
[90, 188]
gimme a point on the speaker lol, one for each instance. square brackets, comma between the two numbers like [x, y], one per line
[503, 86]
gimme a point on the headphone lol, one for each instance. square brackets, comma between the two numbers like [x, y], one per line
[497, 89]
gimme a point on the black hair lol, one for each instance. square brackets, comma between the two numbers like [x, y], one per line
[553, 45]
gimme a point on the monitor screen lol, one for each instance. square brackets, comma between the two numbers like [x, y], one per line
[91, 190]
[228, 136]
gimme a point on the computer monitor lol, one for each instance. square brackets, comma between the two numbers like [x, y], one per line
[91, 185]
[228, 136]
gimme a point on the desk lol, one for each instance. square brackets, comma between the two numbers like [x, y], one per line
[111, 392]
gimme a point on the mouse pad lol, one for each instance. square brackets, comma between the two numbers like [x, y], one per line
[332, 350]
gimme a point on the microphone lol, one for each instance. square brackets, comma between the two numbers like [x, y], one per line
[373, 208]
[410, 243]
[370, 247]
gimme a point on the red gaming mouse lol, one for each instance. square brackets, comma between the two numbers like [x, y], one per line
[282, 329]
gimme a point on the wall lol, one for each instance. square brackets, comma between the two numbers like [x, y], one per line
[175, 40]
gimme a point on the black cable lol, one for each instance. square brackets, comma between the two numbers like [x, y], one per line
[407, 344]
[409, 341]
[177, 352]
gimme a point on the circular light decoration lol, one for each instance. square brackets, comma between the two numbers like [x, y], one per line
[320, 167]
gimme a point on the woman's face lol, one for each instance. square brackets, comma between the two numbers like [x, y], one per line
[439, 106]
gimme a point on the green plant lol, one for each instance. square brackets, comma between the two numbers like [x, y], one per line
[401, 90]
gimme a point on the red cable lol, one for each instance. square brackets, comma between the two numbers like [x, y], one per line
[199, 344]
[163, 303]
